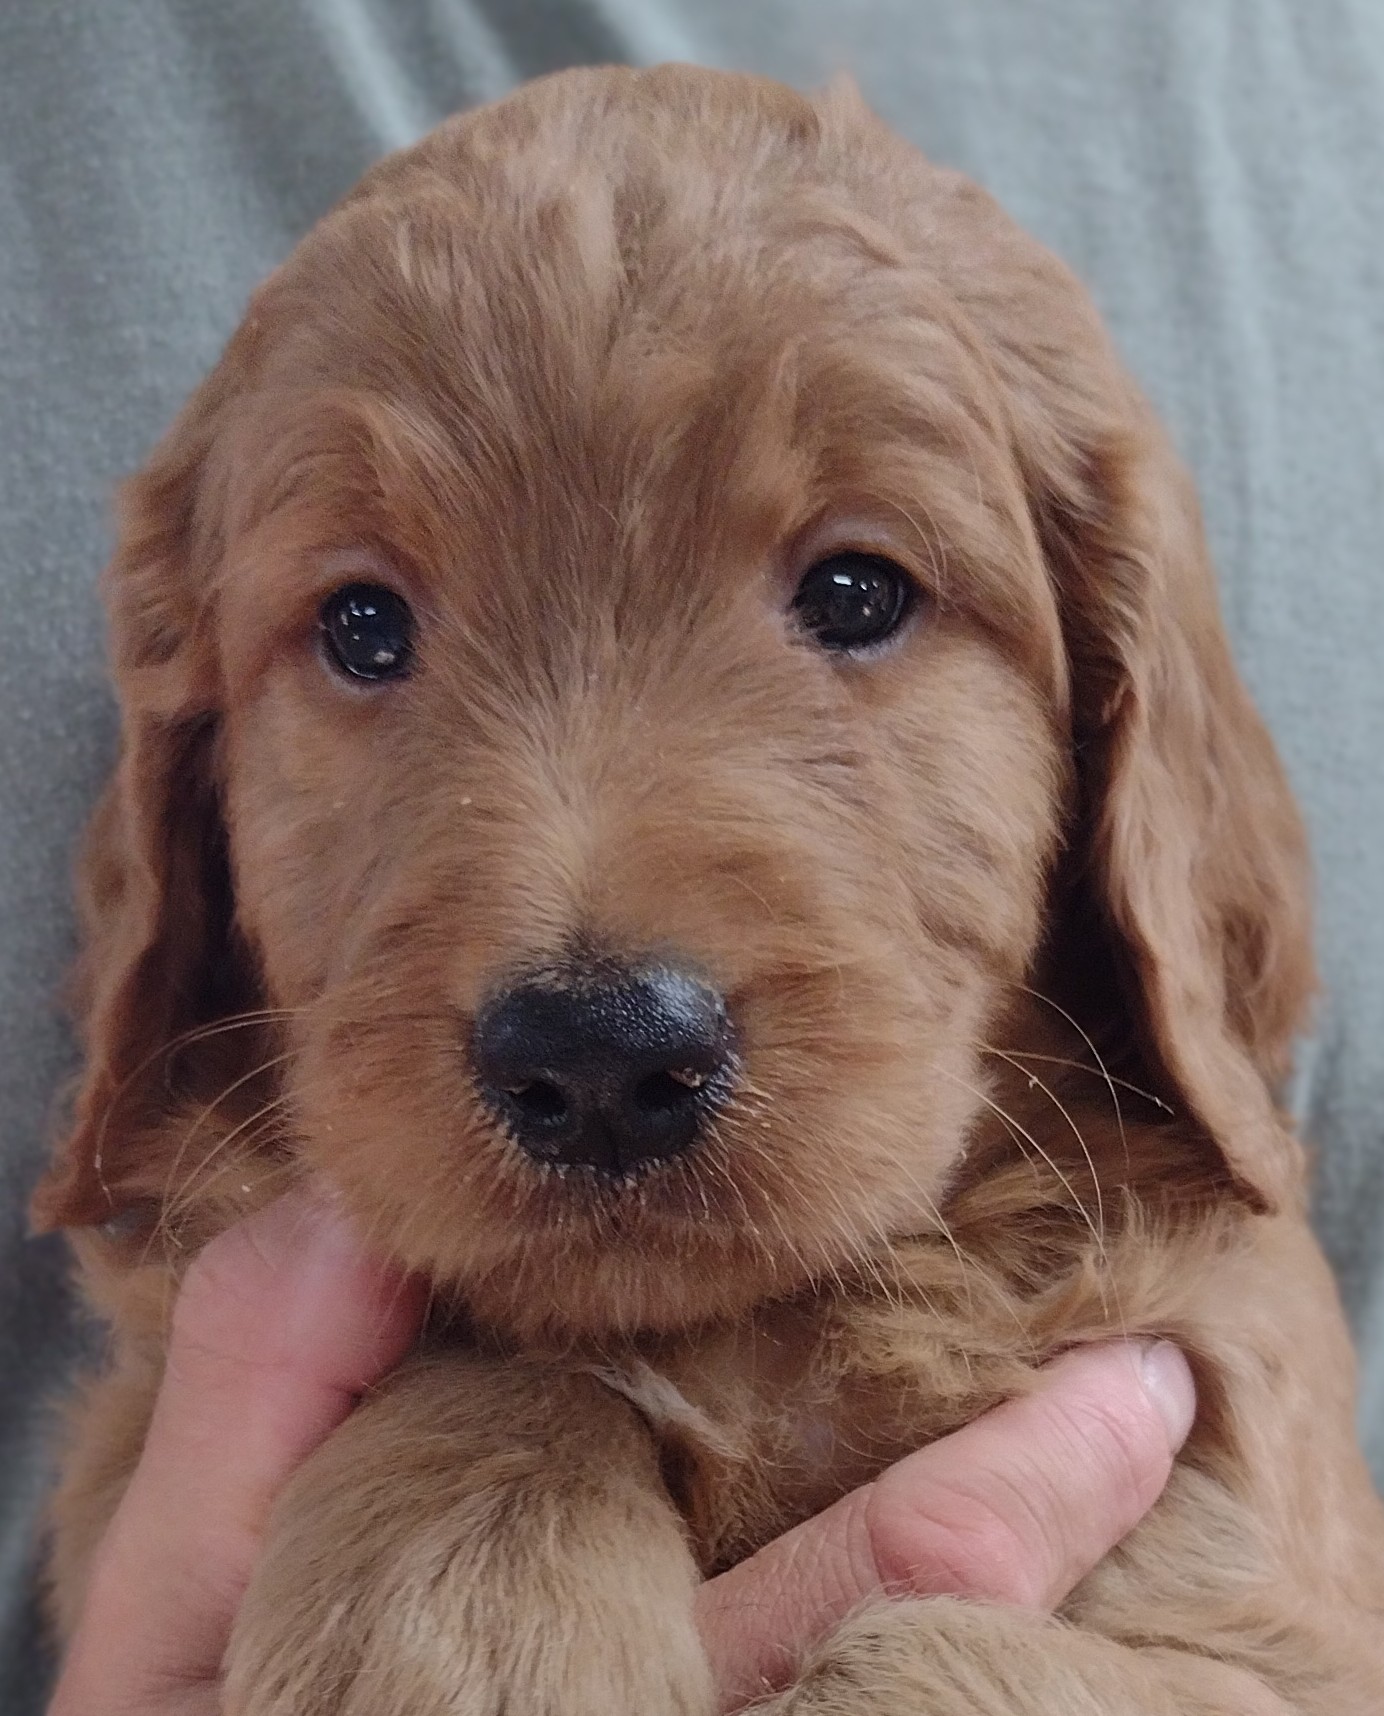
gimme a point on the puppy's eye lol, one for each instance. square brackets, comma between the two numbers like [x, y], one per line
[368, 631]
[850, 601]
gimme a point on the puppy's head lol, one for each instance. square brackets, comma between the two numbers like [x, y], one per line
[661, 595]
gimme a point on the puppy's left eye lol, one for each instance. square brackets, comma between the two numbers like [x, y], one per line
[851, 601]
[368, 631]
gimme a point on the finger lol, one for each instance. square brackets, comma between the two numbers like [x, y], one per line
[1015, 1508]
[280, 1324]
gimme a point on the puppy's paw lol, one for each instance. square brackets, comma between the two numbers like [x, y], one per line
[412, 1570]
[443, 1633]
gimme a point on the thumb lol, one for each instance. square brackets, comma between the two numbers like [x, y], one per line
[1015, 1508]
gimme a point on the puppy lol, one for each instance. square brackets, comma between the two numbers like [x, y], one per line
[680, 755]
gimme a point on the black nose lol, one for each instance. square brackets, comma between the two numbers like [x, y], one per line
[608, 1070]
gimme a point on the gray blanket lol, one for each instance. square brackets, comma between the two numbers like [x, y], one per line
[1216, 172]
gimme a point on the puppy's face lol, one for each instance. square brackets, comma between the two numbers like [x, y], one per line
[641, 740]
[603, 579]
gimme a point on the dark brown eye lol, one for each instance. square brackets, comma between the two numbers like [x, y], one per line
[851, 601]
[368, 631]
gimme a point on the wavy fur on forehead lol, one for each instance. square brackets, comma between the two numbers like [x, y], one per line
[676, 279]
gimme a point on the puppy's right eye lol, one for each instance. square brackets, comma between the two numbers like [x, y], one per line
[850, 602]
[367, 631]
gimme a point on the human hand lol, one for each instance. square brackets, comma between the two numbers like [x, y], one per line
[283, 1322]
[280, 1324]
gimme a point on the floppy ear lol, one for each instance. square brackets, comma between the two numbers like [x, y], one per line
[1194, 855]
[1193, 879]
[160, 957]
[1192, 875]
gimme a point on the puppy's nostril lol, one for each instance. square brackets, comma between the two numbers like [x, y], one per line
[539, 1100]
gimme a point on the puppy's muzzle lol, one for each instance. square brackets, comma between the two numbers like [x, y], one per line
[603, 1068]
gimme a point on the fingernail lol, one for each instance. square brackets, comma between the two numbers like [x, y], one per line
[1167, 1379]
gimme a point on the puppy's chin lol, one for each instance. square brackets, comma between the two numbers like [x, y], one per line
[578, 1260]
[544, 1256]
[544, 1295]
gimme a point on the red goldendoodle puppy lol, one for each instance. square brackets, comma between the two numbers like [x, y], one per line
[679, 752]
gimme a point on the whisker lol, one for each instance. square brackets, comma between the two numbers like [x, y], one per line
[250, 1133]
[1080, 1066]
[185, 1039]
[1096, 1056]
[165, 1228]
[1036, 1082]
[175, 1202]
[1016, 1130]
[1095, 1182]
[255, 1072]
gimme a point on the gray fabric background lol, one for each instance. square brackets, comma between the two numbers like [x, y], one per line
[1214, 168]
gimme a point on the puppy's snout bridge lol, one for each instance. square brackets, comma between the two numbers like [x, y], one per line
[609, 1071]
